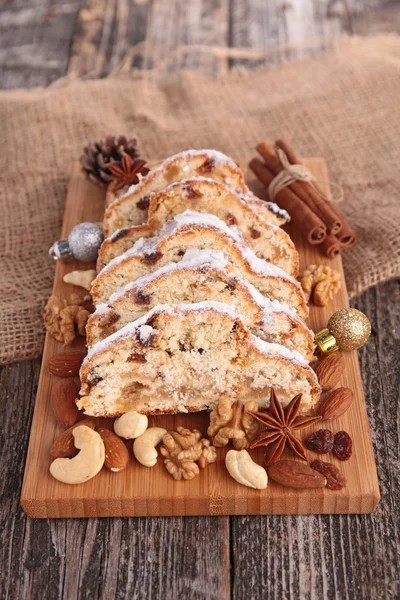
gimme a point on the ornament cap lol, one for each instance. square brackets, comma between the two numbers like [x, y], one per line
[61, 250]
[326, 342]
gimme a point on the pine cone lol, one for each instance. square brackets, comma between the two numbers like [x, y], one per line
[97, 155]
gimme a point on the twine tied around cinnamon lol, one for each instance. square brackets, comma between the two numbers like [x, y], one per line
[296, 172]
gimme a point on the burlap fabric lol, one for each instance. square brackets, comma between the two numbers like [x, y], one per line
[343, 105]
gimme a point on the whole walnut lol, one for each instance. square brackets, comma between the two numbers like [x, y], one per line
[64, 318]
[232, 422]
[320, 283]
[185, 451]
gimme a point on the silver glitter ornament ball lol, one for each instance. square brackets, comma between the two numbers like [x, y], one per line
[85, 240]
[83, 244]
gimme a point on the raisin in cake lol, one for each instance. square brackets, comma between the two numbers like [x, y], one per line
[204, 195]
[202, 275]
[192, 230]
[181, 358]
[132, 208]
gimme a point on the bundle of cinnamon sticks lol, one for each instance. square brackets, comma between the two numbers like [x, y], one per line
[313, 215]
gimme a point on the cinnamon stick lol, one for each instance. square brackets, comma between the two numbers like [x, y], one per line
[307, 222]
[347, 236]
[303, 189]
[331, 246]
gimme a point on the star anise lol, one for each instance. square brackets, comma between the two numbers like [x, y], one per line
[125, 172]
[280, 424]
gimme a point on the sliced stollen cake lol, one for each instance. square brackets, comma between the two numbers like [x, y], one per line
[181, 358]
[192, 230]
[202, 275]
[206, 196]
[132, 208]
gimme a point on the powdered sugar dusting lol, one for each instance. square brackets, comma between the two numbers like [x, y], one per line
[243, 197]
[192, 218]
[221, 307]
[193, 258]
[218, 156]
[144, 332]
[199, 259]
[101, 309]
[263, 267]
[186, 155]
[277, 349]
[132, 328]
[274, 208]
[187, 218]
[129, 330]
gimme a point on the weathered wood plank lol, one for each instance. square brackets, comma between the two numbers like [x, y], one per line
[107, 32]
[284, 29]
[338, 556]
[35, 41]
[43, 40]
[199, 22]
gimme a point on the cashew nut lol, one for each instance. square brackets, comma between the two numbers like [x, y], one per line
[245, 471]
[84, 465]
[144, 447]
[130, 425]
[80, 278]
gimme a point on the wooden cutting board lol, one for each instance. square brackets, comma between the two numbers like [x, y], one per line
[140, 491]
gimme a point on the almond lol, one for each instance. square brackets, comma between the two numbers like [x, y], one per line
[335, 404]
[66, 364]
[117, 455]
[63, 446]
[62, 399]
[291, 473]
[329, 370]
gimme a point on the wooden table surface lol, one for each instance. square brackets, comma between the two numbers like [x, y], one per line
[266, 557]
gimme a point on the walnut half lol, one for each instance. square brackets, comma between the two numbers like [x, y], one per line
[185, 451]
[63, 319]
[232, 421]
[320, 283]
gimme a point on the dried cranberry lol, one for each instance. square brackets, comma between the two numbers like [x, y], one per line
[143, 203]
[93, 379]
[141, 298]
[207, 166]
[335, 481]
[136, 357]
[119, 234]
[231, 219]
[190, 192]
[342, 445]
[110, 319]
[321, 441]
[255, 234]
[151, 258]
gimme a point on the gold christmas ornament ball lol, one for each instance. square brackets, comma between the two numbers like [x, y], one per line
[350, 327]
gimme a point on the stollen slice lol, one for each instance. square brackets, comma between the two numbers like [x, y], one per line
[192, 230]
[204, 195]
[181, 358]
[132, 208]
[202, 275]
